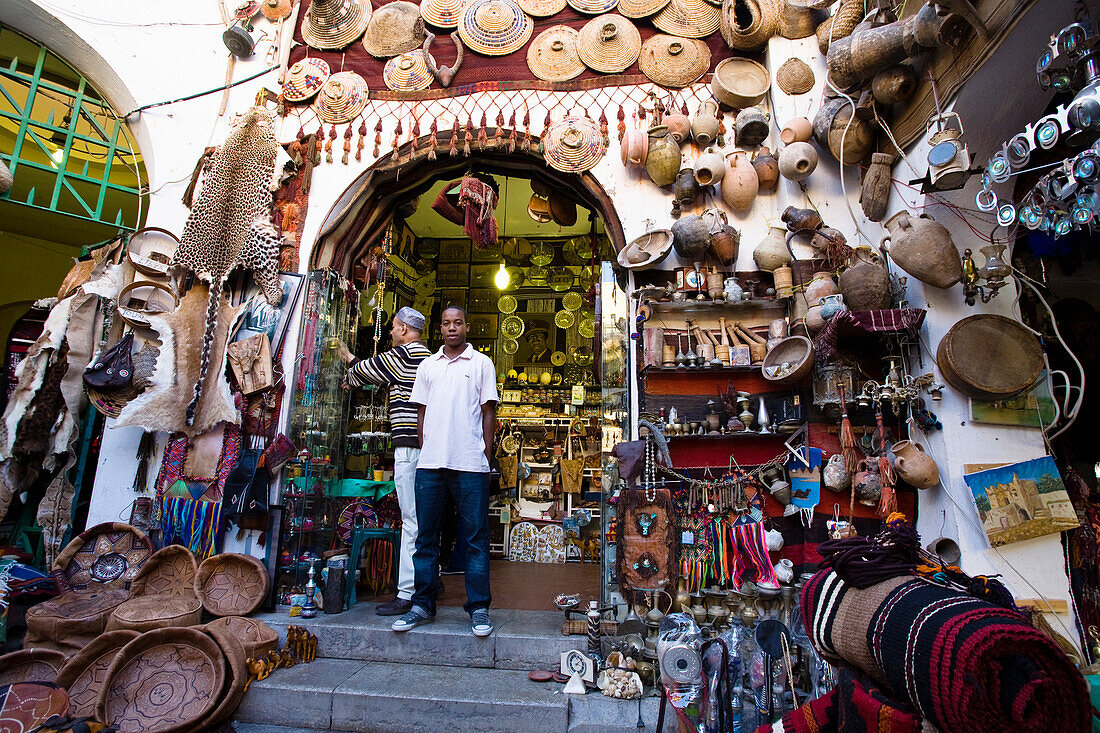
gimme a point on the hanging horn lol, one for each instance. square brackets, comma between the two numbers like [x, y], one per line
[445, 74]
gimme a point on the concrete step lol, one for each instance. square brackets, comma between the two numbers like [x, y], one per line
[384, 697]
[523, 640]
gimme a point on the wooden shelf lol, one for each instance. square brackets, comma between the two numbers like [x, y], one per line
[702, 371]
[756, 304]
[741, 435]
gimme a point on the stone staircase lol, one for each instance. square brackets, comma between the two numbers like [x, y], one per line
[433, 678]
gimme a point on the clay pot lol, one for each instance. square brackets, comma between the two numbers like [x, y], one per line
[835, 476]
[724, 245]
[709, 168]
[923, 248]
[634, 148]
[801, 220]
[662, 161]
[767, 169]
[739, 184]
[895, 84]
[916, 468]
[679, 126]
[815, 321]
[772, 251]
[820, 285]
[704, 128]
[685, 188]
[797, 130]
[831, 126]
[831, 305]
[797, 161]
[751, 126]
[690, 237]
[865, 283]
[867, 484]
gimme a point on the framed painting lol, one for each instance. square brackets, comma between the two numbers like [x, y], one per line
[539, 340]
[453, 275]
[483, 276]
[452, 297]
[262, 317]
[1018, 501]
[483, 326]
[489, 254]
[406, 245]
[454, 250]
[483, 300]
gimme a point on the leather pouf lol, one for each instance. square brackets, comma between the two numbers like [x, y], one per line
[71, 621]
[156, 611]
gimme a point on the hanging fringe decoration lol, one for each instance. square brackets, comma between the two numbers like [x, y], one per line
[621, 116]
[144, 452]
[526, 130]
[378, 138]
[468, 137]
[414, 137]
[498, 136]
[397, 130]
[454, 139]
[603, 127]
[347, 145]
[361, 141]
[197, 525]
[308, 144]
[483, 133]
[432, 142]
[887, 503]
[328, 144]
[847, 437]
[684, 108]
[512, 132]
[319, 148]
[545, 126]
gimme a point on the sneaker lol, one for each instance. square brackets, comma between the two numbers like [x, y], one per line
[452, 571]
[416, 616]
[396, 607]
[480, 623]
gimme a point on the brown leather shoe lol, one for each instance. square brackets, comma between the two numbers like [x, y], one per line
[396, 607]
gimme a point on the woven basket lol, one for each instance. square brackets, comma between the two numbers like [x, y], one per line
[640, 8]
[443, 14]
[688, 18]
[156, 611]
[552, 56]
[763, 23]
[794, 77]
[30, 665]
[797, 20]
[342, 98]
[672, 61]
[170, 570]
[393, 29]
[305, 78]
[839, 24]
[84, 672]
[542, 8]
[573, 144]
[236, 676]
[593, 7]
[494, 27]
[579, 627]
[330, 25]
[609, 44]
[71, 621]
[408, 72]
[258, 638]
[184, 666]
[231, 584]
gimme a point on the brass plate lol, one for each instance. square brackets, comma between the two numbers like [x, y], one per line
[507, 304]
[509, 346]
[512, 327]
[564, 319]
[587, 327]
[581, 355]
[572, 301]
[557, 359]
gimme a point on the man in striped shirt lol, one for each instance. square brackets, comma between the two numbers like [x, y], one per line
[396, 369]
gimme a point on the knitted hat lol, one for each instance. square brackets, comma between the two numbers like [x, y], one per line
[411, 317]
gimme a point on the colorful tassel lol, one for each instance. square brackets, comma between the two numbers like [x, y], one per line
[397, 140]
[498, 136]
[347, 145]
[328, 144]
[888, 503]
[526, 130]
[414, 137]
[482, 133]
[361, 141]
[847, 437]
[621, 115]
[468, 137]
[454, 139]
[378, 137]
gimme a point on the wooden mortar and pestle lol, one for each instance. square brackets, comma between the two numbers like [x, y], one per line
[758, 347]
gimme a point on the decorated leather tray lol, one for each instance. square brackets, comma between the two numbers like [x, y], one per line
[166, 680]
[171, 569]
[28, 705]
[236, 675]
[231, 584]
[83, 675]
[257, 637]
[30, 665]
[157, 611]
[70, 621]
[989, 357]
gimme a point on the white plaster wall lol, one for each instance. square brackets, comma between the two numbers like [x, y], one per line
[136, 65]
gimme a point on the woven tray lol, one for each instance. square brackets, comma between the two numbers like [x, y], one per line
[83, 675]
[166, 680]
[156, 611]
[30, 665]
[231, 584]
[236, 675]
[71, 621]
[170, 570]
[989, 357]
[257, 637]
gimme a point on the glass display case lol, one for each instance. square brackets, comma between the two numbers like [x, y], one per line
[612, 309]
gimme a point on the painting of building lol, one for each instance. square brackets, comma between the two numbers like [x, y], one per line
[1019, 501]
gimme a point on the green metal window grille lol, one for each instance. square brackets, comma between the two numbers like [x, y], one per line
[68, 150]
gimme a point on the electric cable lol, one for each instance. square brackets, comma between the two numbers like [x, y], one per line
[201, 94]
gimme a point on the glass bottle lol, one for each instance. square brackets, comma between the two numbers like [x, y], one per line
[754, 676]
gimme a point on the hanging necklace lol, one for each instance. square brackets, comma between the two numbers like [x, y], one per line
[650, 471]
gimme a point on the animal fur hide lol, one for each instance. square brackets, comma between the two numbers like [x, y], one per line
[162, 406]
[656, 544]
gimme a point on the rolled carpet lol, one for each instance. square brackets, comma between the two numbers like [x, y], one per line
[855, 705]
[965, 664]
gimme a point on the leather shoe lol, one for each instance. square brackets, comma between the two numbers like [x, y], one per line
[396, 607]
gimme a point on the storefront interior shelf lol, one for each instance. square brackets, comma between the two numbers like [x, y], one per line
[740, 435]
[756, 304]
[700, 371]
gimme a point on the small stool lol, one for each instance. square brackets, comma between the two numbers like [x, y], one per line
[359, 536]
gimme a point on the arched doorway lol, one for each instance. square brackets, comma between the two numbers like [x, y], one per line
[544, 331]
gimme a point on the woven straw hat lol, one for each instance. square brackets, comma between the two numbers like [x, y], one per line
[342, 98]
[609, 44]
[573, 144]
[394, 29]
[672, 61]
[552, 56]
[795, 77]
[688, 18]
[494, 27]
[542, 8]
[305, 78]
[330, 25]
[593, 7]
[640, 8]
[442, 13]
[407, 73]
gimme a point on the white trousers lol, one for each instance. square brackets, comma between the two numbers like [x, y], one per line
[404, 477]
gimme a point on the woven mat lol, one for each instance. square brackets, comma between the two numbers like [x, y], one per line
[483, 73]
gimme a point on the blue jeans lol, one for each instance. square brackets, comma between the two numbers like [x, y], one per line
[471, 495]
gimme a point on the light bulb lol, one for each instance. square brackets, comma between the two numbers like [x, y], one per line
[502, 279]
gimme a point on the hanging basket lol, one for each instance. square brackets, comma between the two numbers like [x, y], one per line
[573, 144]
[331, 25]
[609, 44]
[408, 72]
[443, 14]
[672, 61]
[494, 27]
[553, 56]
[342, 98]
[688, 18]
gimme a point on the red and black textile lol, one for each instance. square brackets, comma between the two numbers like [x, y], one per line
[965, 664]
[484, 73]
[855, 705]
[847, 323]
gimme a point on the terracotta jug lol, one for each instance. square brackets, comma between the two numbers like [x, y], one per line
[923, 248]
[820, 285]
[866, 483]
[916, 468]
[772, 251]
[704, 128]
[751, 126]
[797, 130]
[815, 321]
[709, 168]
[663, 158]
[739, 184]
[679, 126]
[797, 161]
[865, 283]
[767, 169]
[634, 148]
[684, 190]
[835, 475]
[690, 237]
[724, 245]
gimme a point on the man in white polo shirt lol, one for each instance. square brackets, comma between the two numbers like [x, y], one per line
[456, 394]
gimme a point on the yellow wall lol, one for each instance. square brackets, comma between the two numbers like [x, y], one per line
[31, 269]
